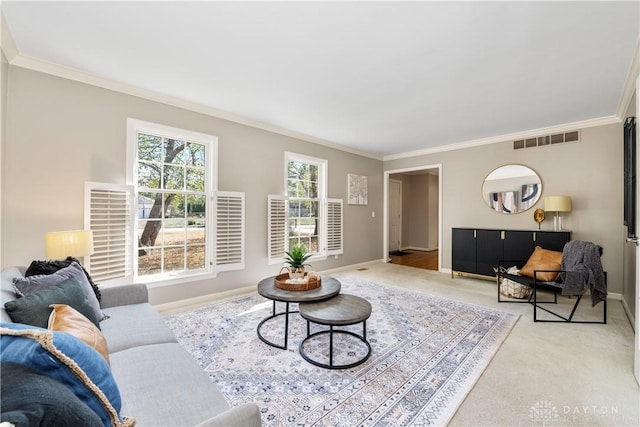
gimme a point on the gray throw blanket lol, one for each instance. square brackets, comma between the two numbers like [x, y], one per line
[583, 270]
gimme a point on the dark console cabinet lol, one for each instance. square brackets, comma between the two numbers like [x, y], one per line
[477, 251]
[488, 244]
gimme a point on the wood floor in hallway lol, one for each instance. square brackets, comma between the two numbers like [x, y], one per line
[427, 260]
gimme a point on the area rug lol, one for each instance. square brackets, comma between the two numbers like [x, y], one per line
[426, 354]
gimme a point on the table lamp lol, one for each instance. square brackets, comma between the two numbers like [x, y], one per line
[63, 244]
[557, 204]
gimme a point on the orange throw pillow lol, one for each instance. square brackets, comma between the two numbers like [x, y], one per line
[543, 259]
[64, 318]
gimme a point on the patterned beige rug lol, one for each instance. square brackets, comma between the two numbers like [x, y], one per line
[427, 353]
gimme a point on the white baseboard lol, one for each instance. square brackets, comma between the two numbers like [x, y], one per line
[631, 316]
[419, 248]
[352, 266]
[614, 295]
[191, 303]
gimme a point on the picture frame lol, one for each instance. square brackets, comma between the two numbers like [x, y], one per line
[357, 189]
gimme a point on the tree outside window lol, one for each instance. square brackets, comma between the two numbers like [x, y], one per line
[172, 205]
[304, 204]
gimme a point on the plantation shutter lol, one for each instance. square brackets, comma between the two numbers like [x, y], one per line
[109, 214]
[277, 228]
[229, 246]
[334, 227]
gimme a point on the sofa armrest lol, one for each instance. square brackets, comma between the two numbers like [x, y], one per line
[247, 415]
[113, 296]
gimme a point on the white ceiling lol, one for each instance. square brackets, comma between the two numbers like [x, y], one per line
[382, 78]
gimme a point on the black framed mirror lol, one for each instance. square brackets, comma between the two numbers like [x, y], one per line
[511, 189]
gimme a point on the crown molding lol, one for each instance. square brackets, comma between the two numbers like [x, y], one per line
[69, 73]
[15, 58]
[629, 87]
[7, 43]
[507, 137]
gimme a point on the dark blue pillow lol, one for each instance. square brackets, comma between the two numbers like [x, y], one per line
[30, 398]
[34, 309]
[68, 360]
[28, 285]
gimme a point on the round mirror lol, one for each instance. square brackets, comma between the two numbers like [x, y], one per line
[511, 189]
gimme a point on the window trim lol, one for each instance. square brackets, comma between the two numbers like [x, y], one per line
[135, 126]
[323, 183]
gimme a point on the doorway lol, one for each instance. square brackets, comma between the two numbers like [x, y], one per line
[412, 220]
[395, 214]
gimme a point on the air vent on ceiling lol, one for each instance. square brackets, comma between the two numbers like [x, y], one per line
[540, 141]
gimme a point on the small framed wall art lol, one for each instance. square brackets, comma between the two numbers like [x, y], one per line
[357, 185]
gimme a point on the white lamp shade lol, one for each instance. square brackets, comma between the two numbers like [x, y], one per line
[61, 244]
[557, 204]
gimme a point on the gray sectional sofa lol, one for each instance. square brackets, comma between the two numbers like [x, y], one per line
[159, 382]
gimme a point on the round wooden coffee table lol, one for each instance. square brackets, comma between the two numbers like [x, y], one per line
[267, 288]
[341, 310]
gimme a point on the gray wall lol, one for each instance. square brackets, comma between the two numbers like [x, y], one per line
[434, 215]
[418, 237]
[590, 171]
[4, 78]
[62, 133]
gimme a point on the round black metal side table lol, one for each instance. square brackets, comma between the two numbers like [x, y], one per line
[343, 310]
[329, 288]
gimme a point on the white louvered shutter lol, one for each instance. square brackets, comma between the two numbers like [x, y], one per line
[334, 227]
[277, 229]
[109, 214]
[229, 246]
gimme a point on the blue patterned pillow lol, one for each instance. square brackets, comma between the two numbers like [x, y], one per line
[66, 359]
[30, 398]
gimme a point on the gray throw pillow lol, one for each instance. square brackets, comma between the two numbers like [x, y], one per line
[28, 285]
[34, 309]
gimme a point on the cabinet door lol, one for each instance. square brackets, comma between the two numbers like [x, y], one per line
[552, 240]
[518, 247]
[463, 250]
[489, 250]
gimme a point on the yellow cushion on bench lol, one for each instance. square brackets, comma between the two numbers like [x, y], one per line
[543, 259]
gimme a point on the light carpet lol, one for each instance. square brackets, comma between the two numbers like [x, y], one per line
[426, 354]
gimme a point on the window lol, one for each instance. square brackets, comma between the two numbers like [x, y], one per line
[182, 225]
[305, 215]
[306, 191]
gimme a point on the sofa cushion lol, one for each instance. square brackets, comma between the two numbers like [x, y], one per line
[30, 398]
[67, 359]
[34, 309]
[157, 379]
[64, 318]
[134, 325]
[28, 285]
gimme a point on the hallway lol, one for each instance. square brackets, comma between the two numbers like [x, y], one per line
[427, 260]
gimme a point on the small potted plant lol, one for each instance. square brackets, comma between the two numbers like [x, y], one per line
[296, 258]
